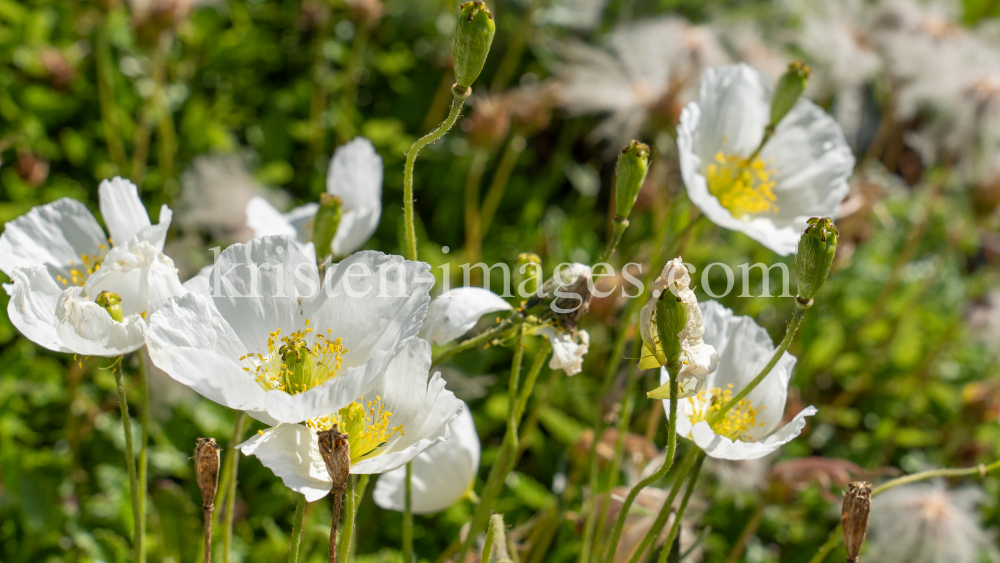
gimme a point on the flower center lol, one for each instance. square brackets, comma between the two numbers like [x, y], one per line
[741, 185]
[89, 263]
[367, 430]
[298, 362]
[737, 422]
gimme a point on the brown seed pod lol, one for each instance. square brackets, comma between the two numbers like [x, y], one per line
[206, 469]
[854, 517]
[336, 452]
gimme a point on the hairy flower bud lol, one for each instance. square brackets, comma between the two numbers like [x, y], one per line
[671, 316]
[325, 224]
[633, 163]
[112, 303]
[854, 517]
[814, 258]
[789, 90]
[336, 453]
[527, 273]
[206, 469]
[473, 38]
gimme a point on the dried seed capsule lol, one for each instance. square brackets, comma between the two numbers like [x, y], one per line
[854, 517]
[336, 452]
[206, 469]
[473, 37]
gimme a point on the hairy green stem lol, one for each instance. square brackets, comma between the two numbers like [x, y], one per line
[353, 497]
[678, 517]
[488, 544]
[232, 467]
[411, 158]
[408, 516]
[667, 508]
[143, 469]
[296, 543]
[133, 481]
[475, 341]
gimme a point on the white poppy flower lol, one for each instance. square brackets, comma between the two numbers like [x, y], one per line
[355, 176]
[59, 261]
[800, 172]
[442, 475]
[455, 312]
[568, 349]
[411, 412]
[751, 429]
[269, 306]
[698, 359]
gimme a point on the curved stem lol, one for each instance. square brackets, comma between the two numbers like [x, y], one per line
[408, 517]
[232, 466]
[474, 341]
[488, 545]
[659, 474]
[133, 481]
[667, 508]
[679, 516]
[411, 158]
[293, 547]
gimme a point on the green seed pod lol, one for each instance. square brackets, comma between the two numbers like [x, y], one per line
[788, 91]
[112, 303]
[629, 176]
[527, 274]
[817, 248]
[473, 38]
[671, 316]
[325, 225]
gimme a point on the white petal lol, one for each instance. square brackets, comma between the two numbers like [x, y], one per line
[721, 447]
[189, 340]
[122, 209]
[688, 388]
[301, 219]
[264, 220]
[86, 328]
[442, 474]
[736, 105]
[140, 274]
[567, 351]
[291, 451]
[156, 235]
[455, 312]
[57, 233]
[201, 282]
[34, 295]
[418, 403]
[355, 176]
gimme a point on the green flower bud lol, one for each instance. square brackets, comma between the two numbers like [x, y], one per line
[325, 224]
[527, 274]
[671, 316]
[788, 91]
[112, 303]
[817, 248]
[473, 38]
[629, 175]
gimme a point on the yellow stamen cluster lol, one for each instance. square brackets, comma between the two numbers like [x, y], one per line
[737, 422]
[367, 430]
[741, 185]
[293, 364]
[89, 264]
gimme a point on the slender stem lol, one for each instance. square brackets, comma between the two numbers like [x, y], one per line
[207, 512]
[793, 326]
[338, 504]
[660, 473]
[620, 224]
[233, 466]
[692, 481]
[501, 177]
[474, 341]
[827, 547]
[488, 545]
[408, 517]
[143, 453]
[751, 526]
[667, 508]
[133, 481]
[473, 221]
[532, 377]
[515, 381]
[296, 543]
[360, 483]
[411, 158]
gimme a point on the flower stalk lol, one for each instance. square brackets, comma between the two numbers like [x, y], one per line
[678, 517]
[133, 481]
[668, 506]
[296, 543]
[350, 512]
[232, 470]
[408, 516]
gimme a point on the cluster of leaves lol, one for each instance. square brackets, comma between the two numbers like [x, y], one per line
[89, 90]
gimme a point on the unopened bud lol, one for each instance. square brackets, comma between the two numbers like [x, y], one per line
[671, 316]
[854, 517]
[630, 173]
[789, 90]
[336, 452]
[527, 273]
[473, 37]
[112, 303]
[206, 469]
[817, 248]
[325, 224]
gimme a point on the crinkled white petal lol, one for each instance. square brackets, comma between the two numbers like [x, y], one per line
[57, 234]
[567, 350]
[201, 282]
[264, 220]
[291, 451]
[34, 295]
[86, 328]
[142, 276]
[456, 311]
[721, 447]
[122, 209]
[355, 176]
[442, 474]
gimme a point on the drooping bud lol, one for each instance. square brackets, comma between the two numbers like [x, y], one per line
[112, 303]
[630, 173]
[336, 452]
[325, 224]
[206, 469]
[789, 90]
[854, 517]
[817, 248]
[473, 37]
[527, 274]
